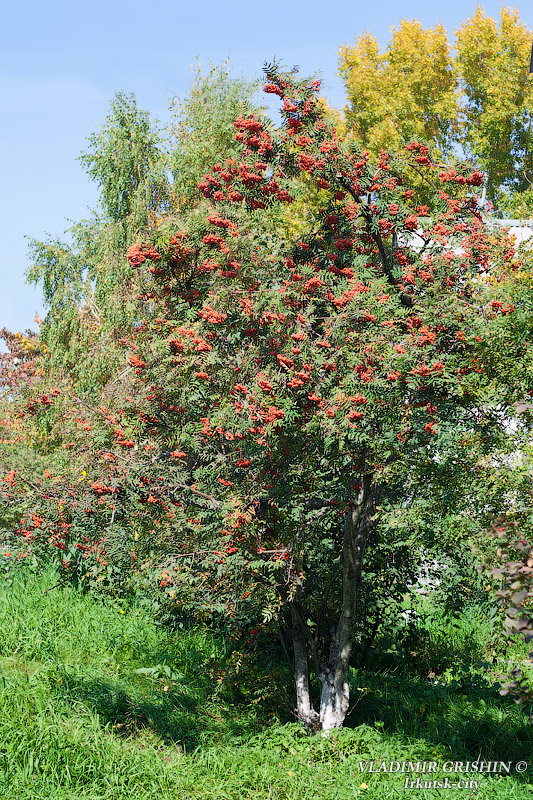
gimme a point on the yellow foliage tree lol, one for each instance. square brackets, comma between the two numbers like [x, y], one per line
[407, 92]
[475, 103]
[492, 63]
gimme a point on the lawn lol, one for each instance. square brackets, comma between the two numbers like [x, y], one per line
[98, 702]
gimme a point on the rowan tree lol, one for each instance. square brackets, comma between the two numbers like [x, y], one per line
[291, 385]
[283, 393]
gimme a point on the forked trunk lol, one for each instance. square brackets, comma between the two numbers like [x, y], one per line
[334, 675]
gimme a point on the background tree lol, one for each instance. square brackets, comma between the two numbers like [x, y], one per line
[87, 284]
[474, 102]
[144, 173]
[201, 130]
[408, 92]
[122, 158]
[492, 62]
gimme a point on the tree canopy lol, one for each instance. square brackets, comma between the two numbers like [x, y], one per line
[281, 397]
[474, 96]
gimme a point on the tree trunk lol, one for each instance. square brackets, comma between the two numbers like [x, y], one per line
[304, 705]
[333, 676]
[334, 687]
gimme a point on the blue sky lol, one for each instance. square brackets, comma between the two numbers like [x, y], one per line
[62, 61]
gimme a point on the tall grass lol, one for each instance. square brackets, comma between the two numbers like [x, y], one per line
[97, 702]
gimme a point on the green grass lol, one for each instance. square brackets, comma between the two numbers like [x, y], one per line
[78, 719]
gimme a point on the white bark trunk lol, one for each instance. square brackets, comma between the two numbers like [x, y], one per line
[334, 699]
[334, 677]
[304, 705]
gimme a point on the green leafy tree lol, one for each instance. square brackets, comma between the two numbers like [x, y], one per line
[122, 159]
[88, 284]
[201, 129]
